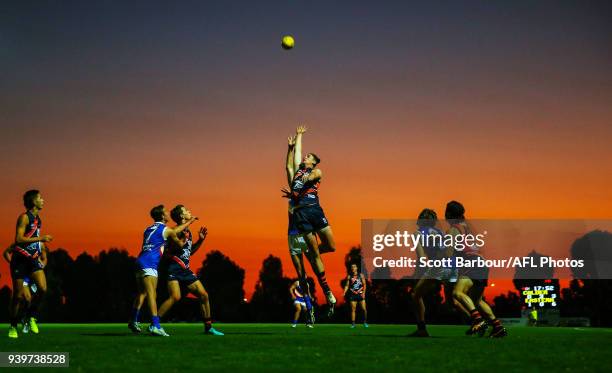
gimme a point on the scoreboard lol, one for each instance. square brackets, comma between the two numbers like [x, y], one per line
[541, 296]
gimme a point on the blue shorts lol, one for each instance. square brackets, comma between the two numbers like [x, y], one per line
[23, 266]
[181, 274]
[310, 218]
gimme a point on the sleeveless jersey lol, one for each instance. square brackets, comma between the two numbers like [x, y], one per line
[433, 248]
[297, 291]
[464, 229]
[304, 193]
[152, 246]
[32, 249]
[356, 284]
[181, 255]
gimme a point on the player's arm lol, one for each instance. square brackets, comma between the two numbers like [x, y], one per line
[297, 153]
[420, 251]
[290, 159]
[363, 281]
[179, 228]
[43, 255]
[348, 280]
[8, 253]
[315, 175]
[451, 248]
[291, 289]
[20, 237]
[202, 236]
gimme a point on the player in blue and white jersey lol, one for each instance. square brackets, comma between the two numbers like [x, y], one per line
[154, 241]
[301, 302]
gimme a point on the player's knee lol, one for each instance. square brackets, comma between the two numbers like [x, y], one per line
[19, 296]
[457, 295]
[204, 296]
[175, 297]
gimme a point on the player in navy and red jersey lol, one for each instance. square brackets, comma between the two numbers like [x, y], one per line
[29, 287]
[154, 240]
[179, 273]
[473, 280]
[296, 241]
[301, 301]
[309, 218]
[25, 261]
[355, 290]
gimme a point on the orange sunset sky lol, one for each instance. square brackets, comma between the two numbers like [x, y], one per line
[111, 110]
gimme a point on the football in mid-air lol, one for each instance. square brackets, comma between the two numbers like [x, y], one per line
[288, 42]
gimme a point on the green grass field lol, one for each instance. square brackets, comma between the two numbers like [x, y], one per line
[277, 347]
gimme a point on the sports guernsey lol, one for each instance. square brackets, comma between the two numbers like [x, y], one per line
[152, 246]
[181, 255]
[356, 284]
[464, 229]
[308, 216]
[304, 193]
[32, 249]
[434, 249]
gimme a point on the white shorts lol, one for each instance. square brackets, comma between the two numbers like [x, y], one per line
[141, 273]
[297, 244]
[303, 304]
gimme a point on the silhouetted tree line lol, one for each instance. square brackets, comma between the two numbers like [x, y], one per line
[101, 289]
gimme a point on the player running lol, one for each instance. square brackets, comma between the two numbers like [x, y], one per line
[355, 290]
[301, 302]
[308, 215]
[154, 240]
[296, 241]
[179, 272]
[433, 248]
[25, 262]
[472, 280]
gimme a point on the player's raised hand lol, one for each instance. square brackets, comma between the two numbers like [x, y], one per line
[46, 238]
[291, 141]
[203, 233]
[286, 193]
[300, 130]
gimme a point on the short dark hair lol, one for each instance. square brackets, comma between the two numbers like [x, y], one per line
[157, 213]
[316, 158]
[28, 198]
[176, 213]
[427, 218]
[454, 211]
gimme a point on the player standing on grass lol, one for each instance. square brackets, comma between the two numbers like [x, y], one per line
[301, 302]
[296, 241]
[179, 272]
[154, 239]
[433, 249]
[355, 290]
[29, 287]
[310, 219]
[25, 261]
[472, 280]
